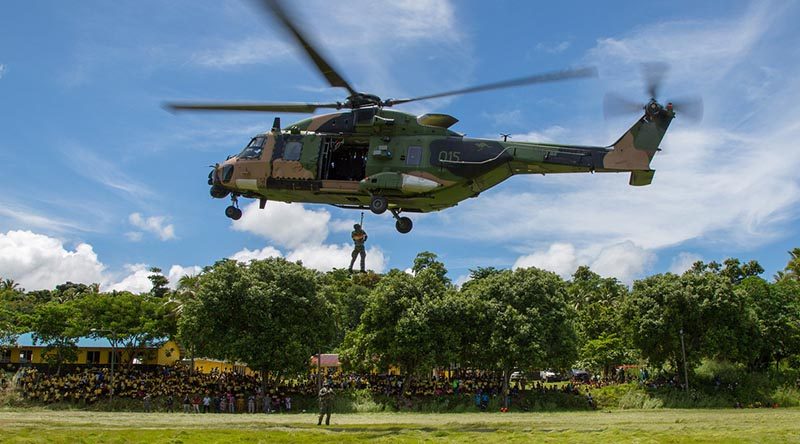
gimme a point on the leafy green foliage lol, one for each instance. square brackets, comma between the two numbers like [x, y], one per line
[267, 314]
[56, 325]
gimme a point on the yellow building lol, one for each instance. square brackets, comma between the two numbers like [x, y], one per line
[90, 351]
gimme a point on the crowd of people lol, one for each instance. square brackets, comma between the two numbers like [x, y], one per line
[178, 389]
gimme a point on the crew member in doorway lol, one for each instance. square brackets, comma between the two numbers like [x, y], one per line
[359, 238]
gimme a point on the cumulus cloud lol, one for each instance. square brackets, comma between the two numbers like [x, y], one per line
[40, 262]
[176, 272]
[153, 224]
[327, 257]
[288, 225]
[246, 255]
[560, 258]
[136, 281]
[303, 233]
[625, 261]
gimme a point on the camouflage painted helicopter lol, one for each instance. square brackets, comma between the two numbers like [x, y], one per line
[366, 155]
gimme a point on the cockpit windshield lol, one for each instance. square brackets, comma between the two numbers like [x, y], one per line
[253, 149]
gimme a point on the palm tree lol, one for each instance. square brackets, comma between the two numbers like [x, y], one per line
[188, 287]
[792, 270]
[9, 284]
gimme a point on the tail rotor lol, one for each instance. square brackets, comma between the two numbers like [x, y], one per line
[653, 74]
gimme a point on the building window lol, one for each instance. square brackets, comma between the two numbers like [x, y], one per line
[93, 357]
[414, 156]
[25, 356]
[292, 151]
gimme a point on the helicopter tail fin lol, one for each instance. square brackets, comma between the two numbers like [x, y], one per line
[636, 148]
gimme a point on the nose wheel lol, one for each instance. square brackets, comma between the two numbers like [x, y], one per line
[402, 224]
[233, 210]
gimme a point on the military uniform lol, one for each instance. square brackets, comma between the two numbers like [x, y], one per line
[359, 237]
[325, 405]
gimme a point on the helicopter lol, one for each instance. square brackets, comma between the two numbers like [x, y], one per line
[365, 155]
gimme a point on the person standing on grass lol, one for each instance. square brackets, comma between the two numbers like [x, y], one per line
[325, 404]
[187, 404]
[251, 404]
[146, 400]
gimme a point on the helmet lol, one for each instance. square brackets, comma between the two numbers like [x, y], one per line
[357, 226]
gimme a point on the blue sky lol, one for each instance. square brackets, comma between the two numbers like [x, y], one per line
[100, 182]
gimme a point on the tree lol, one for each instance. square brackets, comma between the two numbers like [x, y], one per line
[714, 320]
[777, 310]
[132, 323]
[10, 284]
[56, 326]
[430, 261]
[792, 270]
[530, 322]
[160, 283]
[267, 314]
[597, 302]
[401, 325]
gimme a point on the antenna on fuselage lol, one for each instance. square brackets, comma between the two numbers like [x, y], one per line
[276, 125]
[505, 136]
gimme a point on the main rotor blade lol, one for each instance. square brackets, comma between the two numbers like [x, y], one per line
[333, 77]
[538, 78]
[256, 107]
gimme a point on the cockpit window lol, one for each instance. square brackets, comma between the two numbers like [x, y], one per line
[253, 149]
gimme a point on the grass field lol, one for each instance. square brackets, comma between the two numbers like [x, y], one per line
[663, 425]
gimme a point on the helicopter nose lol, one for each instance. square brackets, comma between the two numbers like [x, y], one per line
[217, 190]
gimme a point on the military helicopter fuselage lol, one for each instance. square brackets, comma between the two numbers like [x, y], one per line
[382, 159]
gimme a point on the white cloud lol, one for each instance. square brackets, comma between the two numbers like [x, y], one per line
[29, 218]
[136, 281]
[2, 70]
[289, 225]
[624, 261]
[328, 257]
[303, 233]
[40, 262]
[560, 258]
[176, 272]
[247, 255]
[683, 262]
[153, 224]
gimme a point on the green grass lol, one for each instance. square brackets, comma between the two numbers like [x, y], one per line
[662, 425]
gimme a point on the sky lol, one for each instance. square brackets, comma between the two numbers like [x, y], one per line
[100, 183]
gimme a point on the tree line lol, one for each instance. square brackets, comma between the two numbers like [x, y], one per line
[274, 314]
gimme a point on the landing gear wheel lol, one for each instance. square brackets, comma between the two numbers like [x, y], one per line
[404, 225]
[378, 204]
[233, 212]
